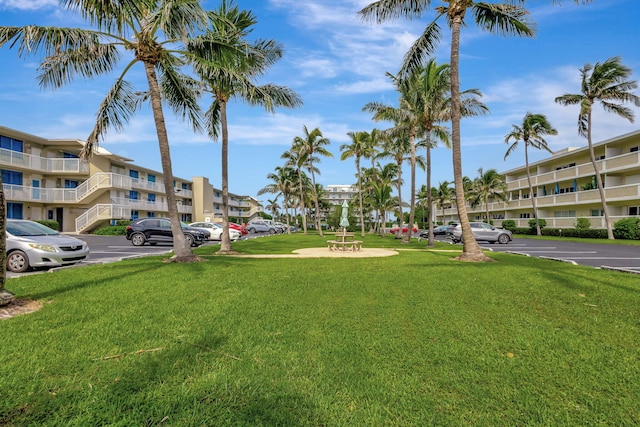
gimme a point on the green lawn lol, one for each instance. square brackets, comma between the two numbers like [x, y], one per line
[414, 339]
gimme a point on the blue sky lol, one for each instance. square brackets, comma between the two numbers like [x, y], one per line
[337, 64]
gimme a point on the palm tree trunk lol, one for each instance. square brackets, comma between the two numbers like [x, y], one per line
[181, 250]
[430, 240]
[315, 202]
[603, 198]
[533, 197]
[412, 206]
[470, 249]
[399, 187]
[360, 196]
[302, 212]
[225, 241]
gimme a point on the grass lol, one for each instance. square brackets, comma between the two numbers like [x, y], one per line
[413, 339]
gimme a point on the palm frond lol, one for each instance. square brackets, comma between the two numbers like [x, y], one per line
[181, 94]
[423, 48]
[383, 10]
[503, 18]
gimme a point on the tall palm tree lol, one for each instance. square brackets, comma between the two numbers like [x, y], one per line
[356, 149]
[273, 206]
[433, 107]
[532, 131]
[487, 186]
[608, 83]
[296, 160]
[312, 145]
[502, 18]
[397, 148]
[154, 32]
[227, 76]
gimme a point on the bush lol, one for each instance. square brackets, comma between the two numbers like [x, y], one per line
[541, 221]
[112, 230]
[509, 224]
[50, 223]
[583, 224]
[627, 228]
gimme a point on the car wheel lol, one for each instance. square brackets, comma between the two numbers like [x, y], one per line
[18, 262]
[251, 230]
[138, 239]
[272, 231]
[189, 239]
[503, 239]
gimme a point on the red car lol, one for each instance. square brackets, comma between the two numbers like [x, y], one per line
[239, 227]
[394, 230]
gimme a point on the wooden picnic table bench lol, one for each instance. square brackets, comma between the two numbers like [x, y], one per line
[344, 242]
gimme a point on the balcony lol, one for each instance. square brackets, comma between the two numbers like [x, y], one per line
[56, 165]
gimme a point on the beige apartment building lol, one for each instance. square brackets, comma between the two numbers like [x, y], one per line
[564, 187]
[45, 179]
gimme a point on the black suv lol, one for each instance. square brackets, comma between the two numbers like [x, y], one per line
[155, 230]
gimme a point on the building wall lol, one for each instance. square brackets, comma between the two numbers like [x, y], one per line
[47, 180]
[563, 185]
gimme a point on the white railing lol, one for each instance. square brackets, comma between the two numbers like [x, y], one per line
[101, 212]
[43, 164]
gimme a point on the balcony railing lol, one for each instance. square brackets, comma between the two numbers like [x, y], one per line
[43, 164]
[101, 212]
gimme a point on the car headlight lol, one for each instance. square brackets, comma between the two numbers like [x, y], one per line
[42, 247]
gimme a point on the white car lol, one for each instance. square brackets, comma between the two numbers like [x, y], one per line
[31, 244]
[215, 230]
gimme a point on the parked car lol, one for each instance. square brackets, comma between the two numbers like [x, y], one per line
[241, 228]
[157, 230]
[483, 232]
[261, 226]
[405, 228]
[441, 230]
[31, 244]
[215, 230]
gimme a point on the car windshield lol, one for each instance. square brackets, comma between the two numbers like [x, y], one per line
[29, 228]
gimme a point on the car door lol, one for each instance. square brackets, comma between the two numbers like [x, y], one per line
[486, 232]
[164, 232]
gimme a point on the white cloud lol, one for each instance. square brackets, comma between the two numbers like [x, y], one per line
[28, 4]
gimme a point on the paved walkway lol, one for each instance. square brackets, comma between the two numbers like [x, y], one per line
[326, 253]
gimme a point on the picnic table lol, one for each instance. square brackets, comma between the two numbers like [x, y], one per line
[344, 242]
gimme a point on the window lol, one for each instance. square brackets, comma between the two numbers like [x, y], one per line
[133, 173]
[633, 149]
[151, 197]
[133, 195]
[14, 210]
[11, 144]
[11, 177]
[67, 155]
[151, 178]
[564, 214]
[597, 212]
[134, 214]
[70, 183]
[633, 210]
[525, 215]
[151, 214]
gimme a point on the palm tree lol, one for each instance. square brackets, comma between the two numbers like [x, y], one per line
[608, 83]
[296, 160]
[311, 145]
[357, 148]
[155, 33]
[442, 194]
[532, 131]
[281, 183]
[273, 206]
[227, 76]
[488, 185]
[502, 18]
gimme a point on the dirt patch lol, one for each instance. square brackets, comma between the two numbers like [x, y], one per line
[326, 253]
[19, 306]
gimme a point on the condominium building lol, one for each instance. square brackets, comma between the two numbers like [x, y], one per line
[46, 179]
[337, 194]
[565, 189]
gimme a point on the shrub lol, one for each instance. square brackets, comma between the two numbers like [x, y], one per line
[50, 223]
[627, 228]
[112, 230]
[509, 224]
[541, 221]
[583, 224]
